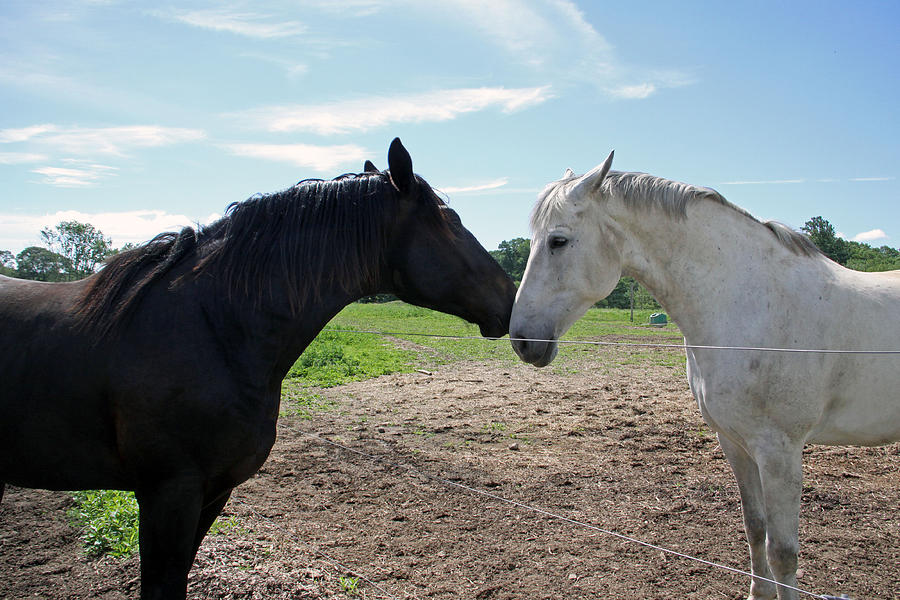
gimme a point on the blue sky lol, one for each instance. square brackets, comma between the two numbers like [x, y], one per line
[144, 117]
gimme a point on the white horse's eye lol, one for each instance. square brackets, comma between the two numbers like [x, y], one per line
[557, 241]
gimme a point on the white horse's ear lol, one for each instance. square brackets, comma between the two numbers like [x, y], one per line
[569, 173]
[591, 180]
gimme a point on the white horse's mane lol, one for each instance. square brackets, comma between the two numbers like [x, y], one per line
[641, 191]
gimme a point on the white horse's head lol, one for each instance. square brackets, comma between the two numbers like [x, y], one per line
[575, 261]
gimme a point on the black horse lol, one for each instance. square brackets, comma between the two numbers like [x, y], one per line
[162, 373]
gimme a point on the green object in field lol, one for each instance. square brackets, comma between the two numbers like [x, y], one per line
[659, 319]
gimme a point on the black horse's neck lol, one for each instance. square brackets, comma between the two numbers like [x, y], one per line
[262, 342]
[300, 243]
[279, 267]
[280, 253]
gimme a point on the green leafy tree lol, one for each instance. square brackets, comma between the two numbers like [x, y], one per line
[82, 244]
[7, 263]
[512, 255]
[822, 233]
[620, 297]
[863, 257]
[853, 255]
[41, 264]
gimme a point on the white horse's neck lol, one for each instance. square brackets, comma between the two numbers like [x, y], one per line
[709, 262]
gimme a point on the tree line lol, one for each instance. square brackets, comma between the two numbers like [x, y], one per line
[513, 256]
[71, 250]
[853, 255]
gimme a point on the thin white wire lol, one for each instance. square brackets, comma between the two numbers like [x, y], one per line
[631, 344]
[598, 343]
[564, 518]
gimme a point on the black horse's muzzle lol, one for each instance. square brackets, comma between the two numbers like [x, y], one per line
[494, 327]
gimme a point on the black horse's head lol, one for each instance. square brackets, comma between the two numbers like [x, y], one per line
[435, 262]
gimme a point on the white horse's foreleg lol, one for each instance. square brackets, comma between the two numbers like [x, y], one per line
[781, 473]
[754, 510]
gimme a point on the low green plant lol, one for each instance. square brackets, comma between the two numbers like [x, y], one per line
[108, 520]
[349, 585]
[297, 399]
[222, 526]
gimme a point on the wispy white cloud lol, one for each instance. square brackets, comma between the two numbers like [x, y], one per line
[247, 24]
[555, 38]
[118, 140]
[350, 8]
[83, 176]
[873, 179]
[16, 158]
[49, 143]
[292, 68]
[23, 134]
[100, 140]
[870, 236]
[365, 114]
[490, 185]
[519, 28]
[633, 92]
[19, 231]
[318, 158]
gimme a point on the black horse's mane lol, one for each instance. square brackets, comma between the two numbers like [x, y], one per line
[298, 240]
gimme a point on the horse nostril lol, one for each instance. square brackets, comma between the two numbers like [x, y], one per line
[519, 342]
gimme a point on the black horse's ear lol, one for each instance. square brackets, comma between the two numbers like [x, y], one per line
[369, 167]
[400, 165]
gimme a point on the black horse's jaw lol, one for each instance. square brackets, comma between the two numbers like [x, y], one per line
[494, 328]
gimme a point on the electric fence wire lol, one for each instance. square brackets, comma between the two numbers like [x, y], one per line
[540, 511]
[562, 518]
[621, 344]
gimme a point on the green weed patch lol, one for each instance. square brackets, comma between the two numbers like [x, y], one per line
[108, 520]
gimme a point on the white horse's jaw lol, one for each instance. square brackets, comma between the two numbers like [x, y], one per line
[534, 345]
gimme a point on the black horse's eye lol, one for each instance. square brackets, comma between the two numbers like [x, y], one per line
[557, 241]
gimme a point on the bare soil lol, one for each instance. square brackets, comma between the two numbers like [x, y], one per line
[621, 448]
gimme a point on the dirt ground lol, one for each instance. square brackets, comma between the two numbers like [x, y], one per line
[621, 448]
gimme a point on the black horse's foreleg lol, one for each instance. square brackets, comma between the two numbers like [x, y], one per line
[208, 517]
[169, 518]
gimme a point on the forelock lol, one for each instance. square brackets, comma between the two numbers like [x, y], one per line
[549, 203]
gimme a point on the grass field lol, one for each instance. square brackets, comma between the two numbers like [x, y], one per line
[346, 350]
[404, 322]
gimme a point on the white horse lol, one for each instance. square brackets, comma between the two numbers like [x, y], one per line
[727, 279]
